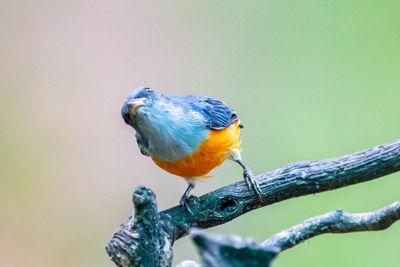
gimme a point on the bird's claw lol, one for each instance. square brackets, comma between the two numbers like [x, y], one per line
[184, 201]
[252, 183]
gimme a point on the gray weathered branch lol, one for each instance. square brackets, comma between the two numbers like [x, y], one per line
[229, 250]
[337, 221]
[220, 206]
[142, 241]
[223, 250]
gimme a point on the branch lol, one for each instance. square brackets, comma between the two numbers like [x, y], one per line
[232, 250]
[219, 250]
[337, 221]
[142, 241]
[294, 180]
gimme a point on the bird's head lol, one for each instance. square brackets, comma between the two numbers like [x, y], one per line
[140, 97]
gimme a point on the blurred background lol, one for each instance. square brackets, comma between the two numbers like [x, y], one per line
[309, 79]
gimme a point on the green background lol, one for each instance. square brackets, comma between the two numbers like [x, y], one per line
[309, 79]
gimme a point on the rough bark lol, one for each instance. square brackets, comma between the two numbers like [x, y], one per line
[143, 240]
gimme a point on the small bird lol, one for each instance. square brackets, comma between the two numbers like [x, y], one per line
[187, 136]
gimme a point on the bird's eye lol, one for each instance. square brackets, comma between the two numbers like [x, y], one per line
[147, 89]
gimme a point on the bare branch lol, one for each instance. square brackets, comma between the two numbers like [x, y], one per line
[337, 221]
[225, 204]
[294, 180]
[233, 250]
[142, 241]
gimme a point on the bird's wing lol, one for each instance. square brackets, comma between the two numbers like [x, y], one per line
[143, 144]
[217, 114]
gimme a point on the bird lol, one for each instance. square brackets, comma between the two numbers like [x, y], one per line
[186, 135]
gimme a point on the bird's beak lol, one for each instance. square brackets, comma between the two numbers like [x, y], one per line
[134, 105]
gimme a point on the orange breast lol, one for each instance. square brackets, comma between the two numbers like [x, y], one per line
[210, 154]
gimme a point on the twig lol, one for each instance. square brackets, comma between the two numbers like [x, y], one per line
[294, 180]
[337, 221]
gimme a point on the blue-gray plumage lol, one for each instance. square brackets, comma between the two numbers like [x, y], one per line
[172, 127]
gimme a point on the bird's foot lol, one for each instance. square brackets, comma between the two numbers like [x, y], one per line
[252, 183]
[185, 202]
